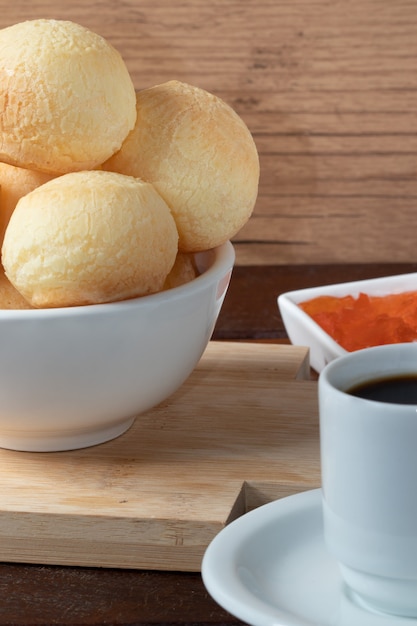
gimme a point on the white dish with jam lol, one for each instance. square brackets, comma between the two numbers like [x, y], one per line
[303, 330]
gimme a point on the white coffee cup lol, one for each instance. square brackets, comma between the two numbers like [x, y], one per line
[369, 479]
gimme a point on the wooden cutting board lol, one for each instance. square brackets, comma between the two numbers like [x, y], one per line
[242, 431]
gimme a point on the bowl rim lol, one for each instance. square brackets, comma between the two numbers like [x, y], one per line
[223, 261]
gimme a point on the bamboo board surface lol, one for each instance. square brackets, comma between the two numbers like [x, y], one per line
[241, 431]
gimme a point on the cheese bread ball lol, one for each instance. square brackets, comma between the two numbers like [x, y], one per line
[200, 156]
[183, 271]
[89, 237]
[10, 298]
[67, 101]
[16, 182]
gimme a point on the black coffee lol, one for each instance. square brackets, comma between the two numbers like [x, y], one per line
[395, 389]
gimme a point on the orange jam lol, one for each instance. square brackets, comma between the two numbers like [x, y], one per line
[366, 321]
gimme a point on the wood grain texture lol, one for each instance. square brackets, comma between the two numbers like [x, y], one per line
[240, 432]
[329, 91]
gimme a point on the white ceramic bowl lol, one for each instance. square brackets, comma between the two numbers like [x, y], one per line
[76, 377]
[303, 330]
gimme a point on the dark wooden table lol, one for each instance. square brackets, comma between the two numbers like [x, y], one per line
[48, 595]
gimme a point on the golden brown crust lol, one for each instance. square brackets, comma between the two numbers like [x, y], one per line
[10, 298]
[67, 101]
[183, 271]
[89, 237]
[16, 182]
[200, 156]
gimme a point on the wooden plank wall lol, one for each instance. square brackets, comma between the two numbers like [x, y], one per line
[328, 89]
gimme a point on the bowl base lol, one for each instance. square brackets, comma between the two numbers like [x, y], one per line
[59, 442]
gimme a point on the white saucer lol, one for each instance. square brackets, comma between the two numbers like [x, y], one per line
[270, 567]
